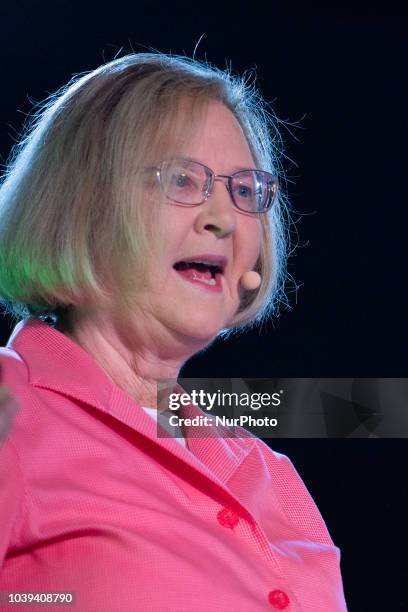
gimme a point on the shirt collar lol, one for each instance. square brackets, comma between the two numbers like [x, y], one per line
[57, 363]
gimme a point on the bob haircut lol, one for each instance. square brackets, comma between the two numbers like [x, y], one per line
[71, 232]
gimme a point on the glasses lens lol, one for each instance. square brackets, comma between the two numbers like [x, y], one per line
[184, 181]
[254, 190]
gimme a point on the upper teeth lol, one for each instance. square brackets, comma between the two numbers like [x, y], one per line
[214, 267]
[207, 263]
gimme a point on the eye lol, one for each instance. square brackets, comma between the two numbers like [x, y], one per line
[244, 191]
[180, 180]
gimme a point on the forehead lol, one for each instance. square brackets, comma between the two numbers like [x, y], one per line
[219, 135]
[218, 140]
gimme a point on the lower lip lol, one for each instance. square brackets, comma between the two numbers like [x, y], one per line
[186, 275]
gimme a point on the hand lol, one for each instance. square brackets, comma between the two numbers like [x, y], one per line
[8, 408]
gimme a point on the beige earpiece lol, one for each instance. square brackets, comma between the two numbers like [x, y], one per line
[251, 280]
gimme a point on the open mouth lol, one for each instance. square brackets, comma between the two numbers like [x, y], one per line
[203, 272]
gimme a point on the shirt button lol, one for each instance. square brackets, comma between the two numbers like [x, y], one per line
[227, 518]
[278, 599]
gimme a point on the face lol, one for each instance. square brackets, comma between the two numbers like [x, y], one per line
[180, 302]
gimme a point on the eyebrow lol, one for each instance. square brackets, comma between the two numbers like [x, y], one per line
[234, 168]
[238, 168]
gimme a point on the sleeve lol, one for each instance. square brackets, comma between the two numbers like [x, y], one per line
[294, 498]
[12, 490]
[11, 496]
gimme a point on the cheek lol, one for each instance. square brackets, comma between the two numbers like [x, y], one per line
[171, 234]
[251, 242]
[177, 222]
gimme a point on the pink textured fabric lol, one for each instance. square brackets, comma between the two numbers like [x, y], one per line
[94, 502]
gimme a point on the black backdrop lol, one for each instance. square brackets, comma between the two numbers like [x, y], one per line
[341, 80]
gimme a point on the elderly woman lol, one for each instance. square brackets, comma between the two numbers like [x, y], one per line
[139, 219]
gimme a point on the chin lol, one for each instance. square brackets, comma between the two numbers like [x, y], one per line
[201, 329]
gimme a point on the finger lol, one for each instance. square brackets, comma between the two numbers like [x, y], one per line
[7, 413]
[8, 409]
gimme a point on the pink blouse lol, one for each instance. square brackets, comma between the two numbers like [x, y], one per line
[94, 503]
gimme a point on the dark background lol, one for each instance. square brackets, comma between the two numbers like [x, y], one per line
[340, 78]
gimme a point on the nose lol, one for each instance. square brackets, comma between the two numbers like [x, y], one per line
[217, 214]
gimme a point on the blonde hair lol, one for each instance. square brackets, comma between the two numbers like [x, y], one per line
[70, 229]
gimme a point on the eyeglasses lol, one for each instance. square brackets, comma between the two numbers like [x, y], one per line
[190, 183]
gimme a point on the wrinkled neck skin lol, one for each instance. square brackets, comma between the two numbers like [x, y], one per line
[135, 356]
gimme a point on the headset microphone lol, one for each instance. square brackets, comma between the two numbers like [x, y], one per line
[251, 280]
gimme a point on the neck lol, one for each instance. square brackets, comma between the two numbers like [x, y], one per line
[127, 353]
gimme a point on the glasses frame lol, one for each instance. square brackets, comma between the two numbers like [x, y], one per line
[224, 178]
